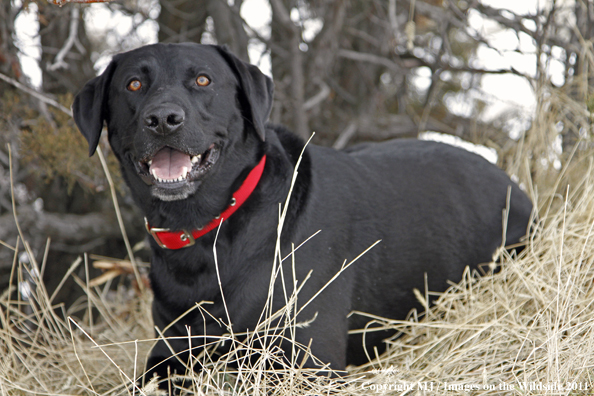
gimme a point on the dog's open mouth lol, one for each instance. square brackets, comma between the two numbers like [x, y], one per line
[170, 167]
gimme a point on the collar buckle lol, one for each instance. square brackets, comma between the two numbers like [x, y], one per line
[187, 236]
[186, 239]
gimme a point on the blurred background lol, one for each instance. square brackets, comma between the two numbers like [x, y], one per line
[351, 70]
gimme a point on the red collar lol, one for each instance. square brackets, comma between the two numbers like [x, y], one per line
[180, 239]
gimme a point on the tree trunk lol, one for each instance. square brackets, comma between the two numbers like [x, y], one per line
[182, 21]
[228, 26]
[288, 67]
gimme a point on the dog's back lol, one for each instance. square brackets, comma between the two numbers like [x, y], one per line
[436, 209]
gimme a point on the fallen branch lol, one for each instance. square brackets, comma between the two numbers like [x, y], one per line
[71, 229]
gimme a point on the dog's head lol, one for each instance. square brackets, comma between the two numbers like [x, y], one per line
[174, 112]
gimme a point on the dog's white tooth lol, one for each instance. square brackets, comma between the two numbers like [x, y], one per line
[154, 173]
[196, 158]
[184, 173]
[150, 162]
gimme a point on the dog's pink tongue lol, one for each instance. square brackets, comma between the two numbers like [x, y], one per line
[168, 164]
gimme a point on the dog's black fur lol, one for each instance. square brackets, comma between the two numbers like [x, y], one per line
[436, 208]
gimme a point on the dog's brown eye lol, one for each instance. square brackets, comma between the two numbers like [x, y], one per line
[203, 81]
[134, 85]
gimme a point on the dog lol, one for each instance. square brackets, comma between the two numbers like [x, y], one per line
[188, 124]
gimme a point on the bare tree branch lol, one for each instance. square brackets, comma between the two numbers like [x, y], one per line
[371, 58]
[34, 93]
[60, 3]
[514, 23]
[59, 61]
[345, 136]
[317, 98]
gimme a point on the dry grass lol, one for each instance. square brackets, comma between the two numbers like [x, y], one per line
[530, 323]
[526, 330]
[43, 352]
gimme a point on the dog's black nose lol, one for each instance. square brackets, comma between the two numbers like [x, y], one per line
[164, 119]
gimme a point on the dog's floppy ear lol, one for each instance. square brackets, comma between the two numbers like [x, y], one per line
[257, 89]
[90, 107]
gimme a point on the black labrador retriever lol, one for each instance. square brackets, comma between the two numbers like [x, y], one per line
[188, 124]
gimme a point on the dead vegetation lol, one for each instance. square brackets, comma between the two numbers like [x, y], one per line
[526, 330]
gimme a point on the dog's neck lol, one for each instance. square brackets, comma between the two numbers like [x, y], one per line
[177, 239]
